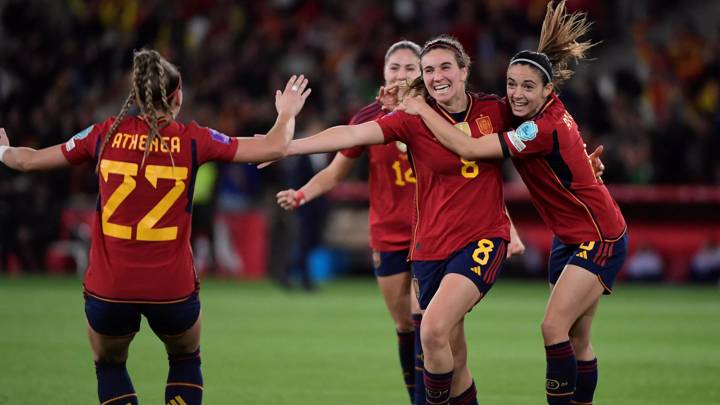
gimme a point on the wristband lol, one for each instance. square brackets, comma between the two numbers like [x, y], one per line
[3, 148]
[299, 198]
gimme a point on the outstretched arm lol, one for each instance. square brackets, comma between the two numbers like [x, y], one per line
[27, 159]
[324, 181]
[338, 138]
[274, 146]
[485, 147]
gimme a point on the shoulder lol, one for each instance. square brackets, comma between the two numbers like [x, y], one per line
[486, 98]
[551, 116]
[368, 113]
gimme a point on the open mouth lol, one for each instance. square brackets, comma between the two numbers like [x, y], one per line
[442, 88]
[519, 104]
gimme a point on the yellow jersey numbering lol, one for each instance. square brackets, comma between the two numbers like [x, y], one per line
[585, 248]
[482, 254]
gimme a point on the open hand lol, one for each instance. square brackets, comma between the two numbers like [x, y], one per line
[291, 100]
[290, 199]
[412, 105]
[388, 97]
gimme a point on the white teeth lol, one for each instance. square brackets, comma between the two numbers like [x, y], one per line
[442, 89]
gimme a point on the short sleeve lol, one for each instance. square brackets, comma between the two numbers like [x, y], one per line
[393, 126]
[528, 139]
[83, 146]
[354, 152]
[212, 145]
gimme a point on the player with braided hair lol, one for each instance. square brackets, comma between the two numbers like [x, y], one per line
[140, 258]
[590, 243]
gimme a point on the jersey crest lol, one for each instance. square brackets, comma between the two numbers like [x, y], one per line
[484, 125]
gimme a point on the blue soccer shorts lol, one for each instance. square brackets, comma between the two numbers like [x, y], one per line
[604, 259]
[480, 261]
[390, 263]
[112, 318]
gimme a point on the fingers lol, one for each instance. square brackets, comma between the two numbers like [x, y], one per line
[392, 89]
[380, 94]
[286, 199]
[301, 84]
[290, 83]
[265, 164]
[296, 83]
[598, 151]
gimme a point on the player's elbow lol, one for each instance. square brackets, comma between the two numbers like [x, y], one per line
[21, 163]
[275, 149]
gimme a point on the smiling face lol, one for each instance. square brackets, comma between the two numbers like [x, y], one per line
[444, 78]
[525, 90]
[401, 65]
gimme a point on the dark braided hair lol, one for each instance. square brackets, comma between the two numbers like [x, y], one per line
[153, 78]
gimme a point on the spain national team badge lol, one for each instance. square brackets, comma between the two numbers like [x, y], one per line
[484, 125]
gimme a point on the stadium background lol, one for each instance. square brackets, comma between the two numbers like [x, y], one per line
[651, 98]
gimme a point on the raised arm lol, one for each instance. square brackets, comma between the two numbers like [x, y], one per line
[338, 138]
[274, 146]
[28, 159]
[485, 147]
[324, 181]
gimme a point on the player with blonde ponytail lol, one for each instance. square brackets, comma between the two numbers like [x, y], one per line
[140, 258]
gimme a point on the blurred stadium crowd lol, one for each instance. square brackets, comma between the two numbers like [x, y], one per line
[651, 97]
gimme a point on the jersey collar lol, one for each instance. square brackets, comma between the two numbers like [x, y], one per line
[449, 117]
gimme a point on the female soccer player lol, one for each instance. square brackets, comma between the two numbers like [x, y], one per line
[140, 258]
[590, 243]
[460, 228]
[392, 187]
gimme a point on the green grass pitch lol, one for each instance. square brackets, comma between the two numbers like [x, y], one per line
[261, 345]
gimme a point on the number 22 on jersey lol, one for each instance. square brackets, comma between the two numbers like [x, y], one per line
[145, 228]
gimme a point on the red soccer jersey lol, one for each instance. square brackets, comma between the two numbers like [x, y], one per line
[554, 165]
[392, 188]
[141, 234]
[457, 201]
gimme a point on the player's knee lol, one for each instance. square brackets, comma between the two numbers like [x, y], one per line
[433, 336]
[580, 343]
[187, 346]
[459, 359]
[110, 357]
[551, 329]
[403, 323]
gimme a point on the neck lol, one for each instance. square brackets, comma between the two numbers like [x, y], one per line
[457, 104]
